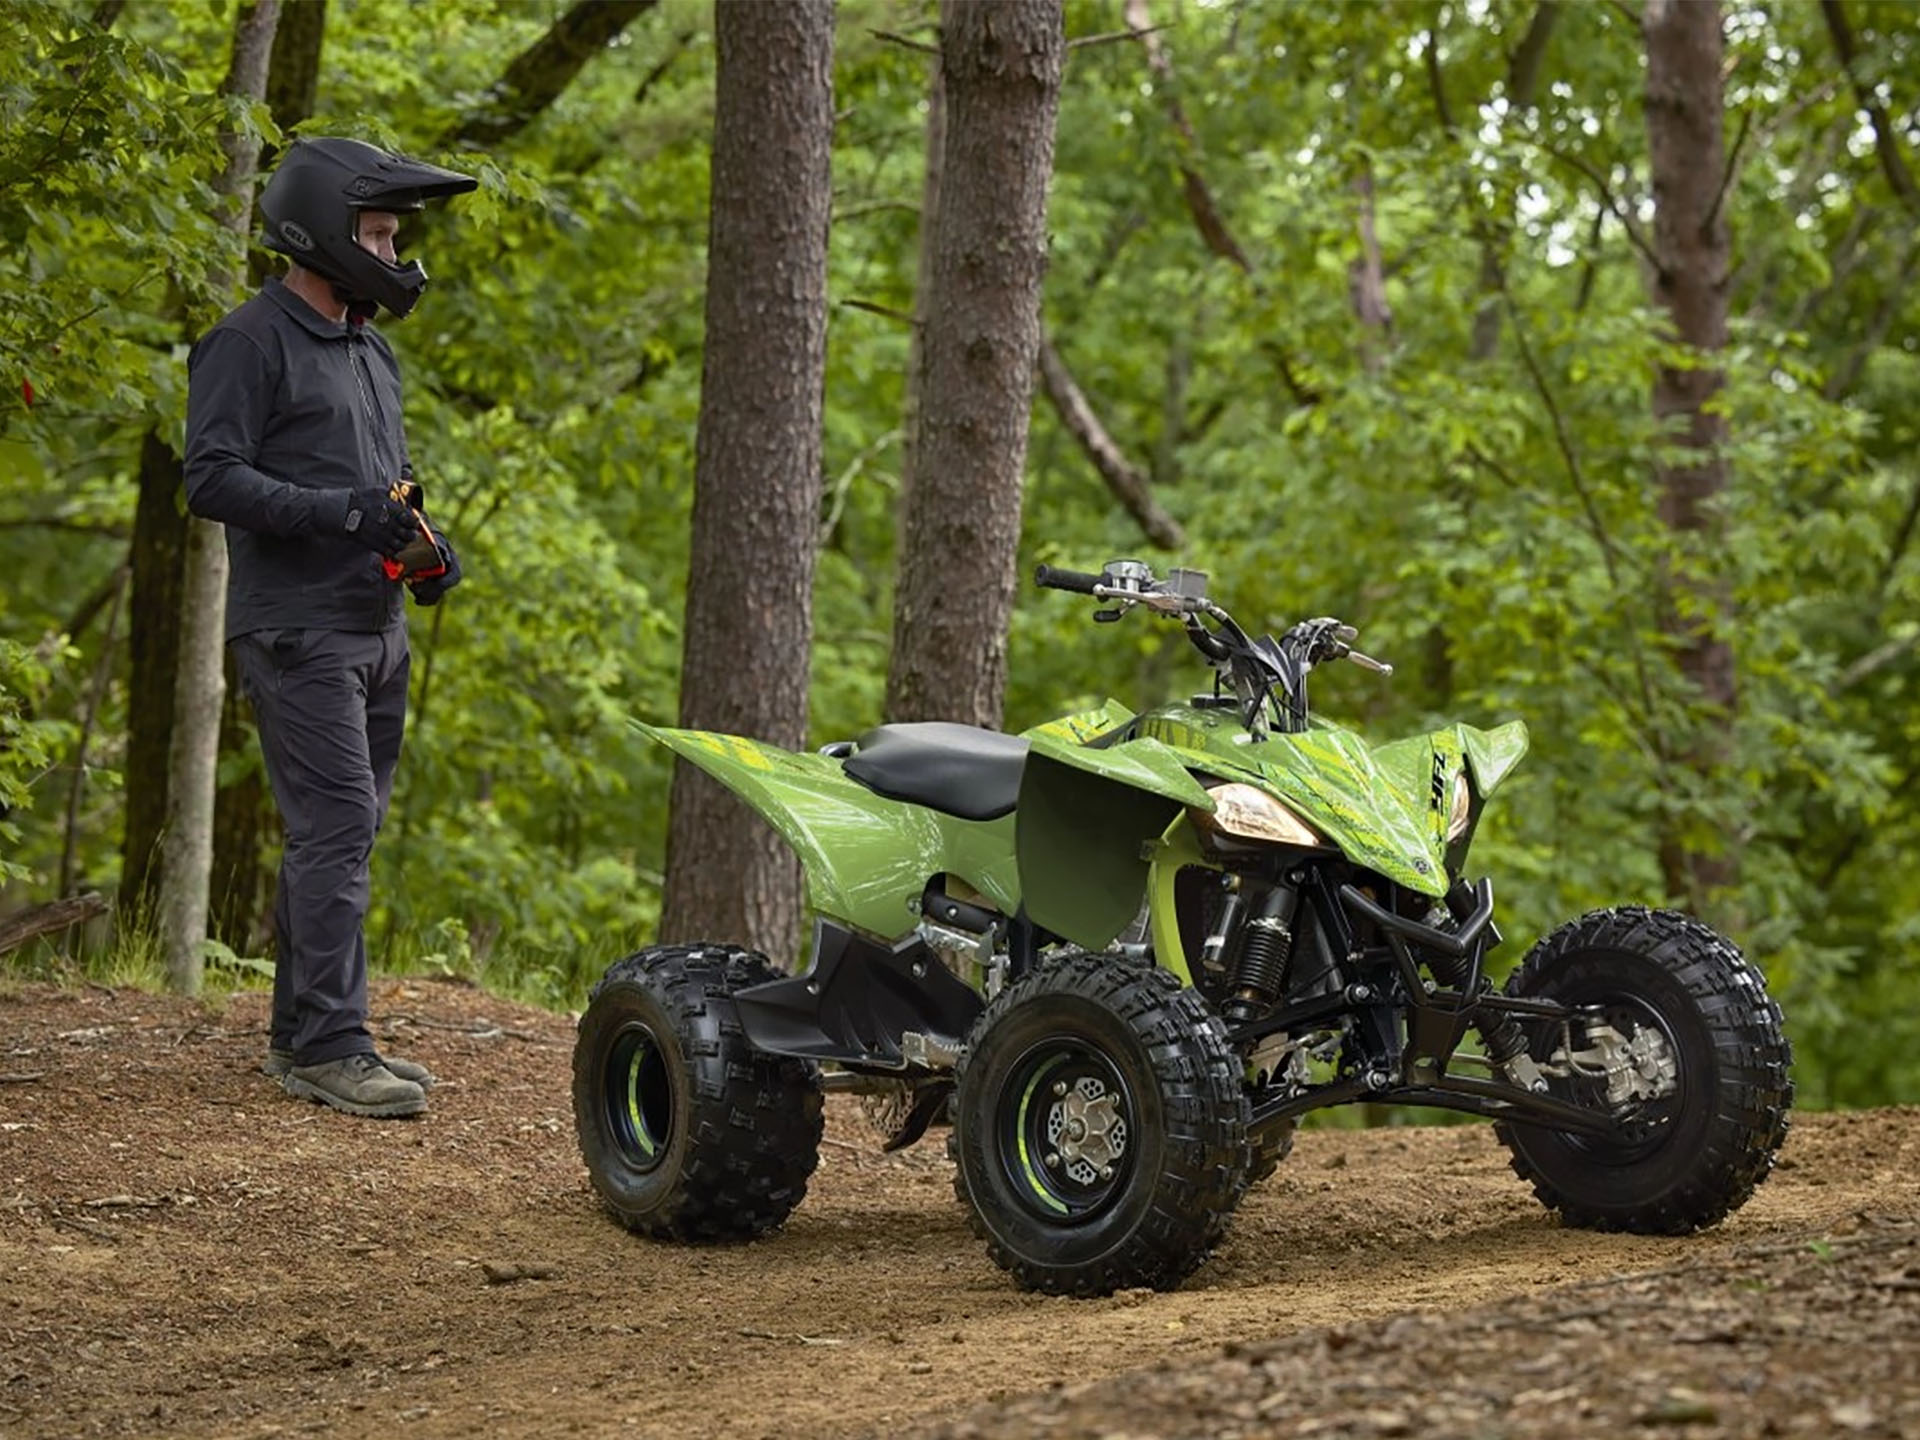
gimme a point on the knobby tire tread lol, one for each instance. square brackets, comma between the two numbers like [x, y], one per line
[1207, 1155]
[1752, 1057]
[756, 1119]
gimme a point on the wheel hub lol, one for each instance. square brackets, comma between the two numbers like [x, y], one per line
[1086, 1129]
[1640, 1066]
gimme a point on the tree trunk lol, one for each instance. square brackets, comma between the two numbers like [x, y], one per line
[1686, 147]
[246, 832]
[1000, 64]
[757, 487]
[153, 641]
[936, 142]
[1523, 79]
[293, 73]
[200, 687]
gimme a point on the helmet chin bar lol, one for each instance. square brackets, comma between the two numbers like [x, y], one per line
[393, 288]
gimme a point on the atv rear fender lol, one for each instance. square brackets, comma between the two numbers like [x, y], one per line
[867, 858]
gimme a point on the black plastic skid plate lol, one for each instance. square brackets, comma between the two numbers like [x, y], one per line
[856, 999]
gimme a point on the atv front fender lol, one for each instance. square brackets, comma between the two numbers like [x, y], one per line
[1087, 820]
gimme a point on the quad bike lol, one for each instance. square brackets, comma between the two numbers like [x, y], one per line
[1121, 954]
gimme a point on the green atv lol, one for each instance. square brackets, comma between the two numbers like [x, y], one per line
[1121, 955]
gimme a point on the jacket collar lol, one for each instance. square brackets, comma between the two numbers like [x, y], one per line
[310, 319]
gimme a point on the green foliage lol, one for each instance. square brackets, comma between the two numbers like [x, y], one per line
[28, 741]
[1490, 521]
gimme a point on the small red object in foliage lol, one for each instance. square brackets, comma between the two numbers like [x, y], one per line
[26, 392]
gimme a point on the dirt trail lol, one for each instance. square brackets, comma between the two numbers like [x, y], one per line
[183, 1249]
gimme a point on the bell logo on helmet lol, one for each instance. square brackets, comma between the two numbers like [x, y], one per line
[295, 235]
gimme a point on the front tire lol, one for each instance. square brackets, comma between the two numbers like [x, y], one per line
[1696, 1154]
[1100, 1135]
[688, 1132]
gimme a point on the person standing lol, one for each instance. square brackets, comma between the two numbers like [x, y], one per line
[295, 443]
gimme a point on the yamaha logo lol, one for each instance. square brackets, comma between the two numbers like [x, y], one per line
[295, 235]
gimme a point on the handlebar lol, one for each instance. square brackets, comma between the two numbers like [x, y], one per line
[1050, 577]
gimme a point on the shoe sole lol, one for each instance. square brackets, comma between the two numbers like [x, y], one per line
[273, 1070]
[392, 1110]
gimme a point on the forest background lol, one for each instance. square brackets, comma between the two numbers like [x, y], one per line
[1359, 299]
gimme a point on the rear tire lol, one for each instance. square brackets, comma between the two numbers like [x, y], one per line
[1100, 1136]
[1703, 1149]
[688, 1132]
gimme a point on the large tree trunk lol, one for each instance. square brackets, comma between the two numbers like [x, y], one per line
[1000, 63]
[756, 509]
[200, 689]
[1686, 146]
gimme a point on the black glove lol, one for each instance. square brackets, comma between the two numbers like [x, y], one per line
[428, 592]
[376, 520]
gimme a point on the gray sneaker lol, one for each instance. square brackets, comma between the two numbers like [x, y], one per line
[279, 1062]
[359, 1085]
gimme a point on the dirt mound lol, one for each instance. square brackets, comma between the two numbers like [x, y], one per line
[185, 1249]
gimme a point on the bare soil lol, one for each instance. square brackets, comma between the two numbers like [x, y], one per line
[186, 1250]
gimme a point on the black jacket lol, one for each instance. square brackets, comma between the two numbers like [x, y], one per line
[287, 412]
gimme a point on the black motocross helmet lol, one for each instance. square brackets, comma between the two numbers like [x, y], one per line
[312, 206]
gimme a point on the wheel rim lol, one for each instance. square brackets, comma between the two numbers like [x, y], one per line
[1065, 1133]
[1653, 1126]
[637, 1090]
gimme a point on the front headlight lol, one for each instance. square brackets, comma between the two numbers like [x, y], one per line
[1251, 814]
[1462, 808]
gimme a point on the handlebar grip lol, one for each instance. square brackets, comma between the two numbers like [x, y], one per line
[1049, 577]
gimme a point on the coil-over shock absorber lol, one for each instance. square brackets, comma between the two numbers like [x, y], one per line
[1266, 945]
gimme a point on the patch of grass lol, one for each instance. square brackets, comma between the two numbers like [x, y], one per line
[125, 952]
[546, 979]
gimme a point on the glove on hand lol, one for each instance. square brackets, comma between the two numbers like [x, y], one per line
[378, 521]
[429, 592]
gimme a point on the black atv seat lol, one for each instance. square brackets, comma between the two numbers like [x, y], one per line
[955, 769]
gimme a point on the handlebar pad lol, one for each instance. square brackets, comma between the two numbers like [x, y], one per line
[1050, 578]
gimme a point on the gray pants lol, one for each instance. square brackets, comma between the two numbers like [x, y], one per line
[331, 707]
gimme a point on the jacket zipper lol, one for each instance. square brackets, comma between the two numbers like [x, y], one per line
[355, 363]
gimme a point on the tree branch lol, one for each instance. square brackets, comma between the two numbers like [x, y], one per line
[1901, 539]
[1612, 202]
[1112, 35]
[96, 601]
[873, 307]
[893, 38]
[1563, 440]
[1201, 206]
[1437, 86]
[1892, 298]
[1843, 259]
[1129, 486]
[19, 928]
[1523, 78]
[1885, 143]
[1732, 168]
[1200, 202]
[1523, 66]
[540, 74]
